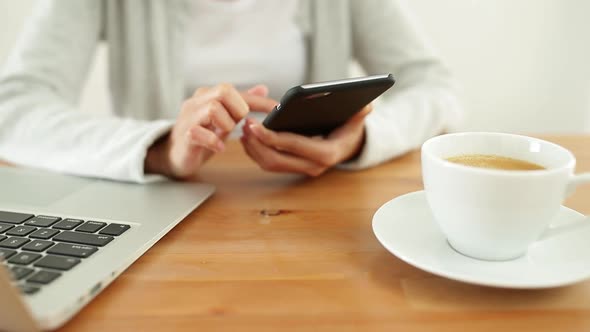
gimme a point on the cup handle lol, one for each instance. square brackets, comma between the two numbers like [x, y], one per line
[574, 182]
[571, 227]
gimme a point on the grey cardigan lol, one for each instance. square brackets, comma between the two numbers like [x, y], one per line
[41, 83]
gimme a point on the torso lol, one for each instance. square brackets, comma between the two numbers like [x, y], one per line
[245, 42]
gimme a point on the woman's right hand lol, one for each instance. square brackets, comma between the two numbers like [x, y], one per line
[204, 123]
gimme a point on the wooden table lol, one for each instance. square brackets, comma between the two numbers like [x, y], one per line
[275, 252]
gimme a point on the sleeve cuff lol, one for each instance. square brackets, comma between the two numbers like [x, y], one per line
[154, 131]
[373, 151]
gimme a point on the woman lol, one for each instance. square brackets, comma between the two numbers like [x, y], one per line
[161, 52]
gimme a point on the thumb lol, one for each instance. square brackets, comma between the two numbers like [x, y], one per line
[356, 121]
[258, 90]
[362, 114]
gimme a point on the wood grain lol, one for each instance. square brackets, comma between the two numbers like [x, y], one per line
[275, 252]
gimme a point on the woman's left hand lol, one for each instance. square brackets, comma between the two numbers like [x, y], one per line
[292, 153]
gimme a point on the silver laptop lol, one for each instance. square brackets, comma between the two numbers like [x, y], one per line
[63, 239]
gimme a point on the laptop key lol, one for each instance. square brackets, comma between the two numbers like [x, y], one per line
[19, 272]
[13, 217]
[91, 226]
[21, 230]
[74, 250]
[38, 245]
[24, 258]
[44, 277]
[68, 224]
[114, 229]
[6, 253]
[14, 242]
[29, 289]
[83, 238]
[42, 221]
[5, 227]
[43, 233]
[57, 262]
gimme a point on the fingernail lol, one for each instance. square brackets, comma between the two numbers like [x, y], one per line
[189, 135]
[220, 146]
[254, 128]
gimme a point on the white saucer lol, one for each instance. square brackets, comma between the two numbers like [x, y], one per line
[406, 228]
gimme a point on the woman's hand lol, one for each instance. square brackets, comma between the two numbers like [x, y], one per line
[204, 123]
[292, 153]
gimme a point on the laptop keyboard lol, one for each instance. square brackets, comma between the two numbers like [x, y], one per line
[39, 249]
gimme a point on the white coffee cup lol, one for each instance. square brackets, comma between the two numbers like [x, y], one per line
[495, 214]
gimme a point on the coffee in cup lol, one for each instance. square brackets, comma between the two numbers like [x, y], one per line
[495, 162]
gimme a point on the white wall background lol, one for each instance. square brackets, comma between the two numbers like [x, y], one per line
[524, 65]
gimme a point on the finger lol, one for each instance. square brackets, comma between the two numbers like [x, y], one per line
[275, 161]
[362, 114]
[353, 124]
[218, 116]
[259, 103]
[201, 91]
[319, 151]
[199, 136]
[258, 90]
[227, 95]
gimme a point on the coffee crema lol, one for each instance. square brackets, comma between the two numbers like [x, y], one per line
[495, 162]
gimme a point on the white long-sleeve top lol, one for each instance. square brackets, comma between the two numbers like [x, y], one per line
[229, 41]
[40, 125]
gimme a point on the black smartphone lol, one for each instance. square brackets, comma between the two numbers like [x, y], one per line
[318, 108]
